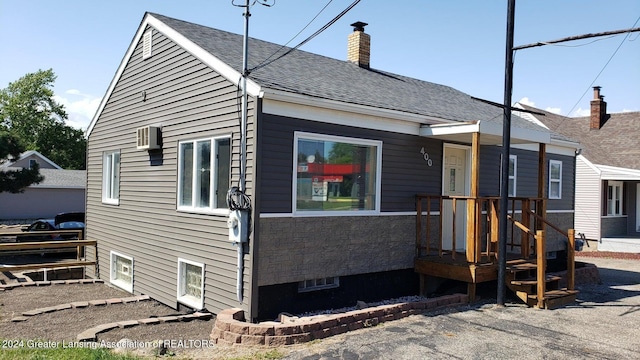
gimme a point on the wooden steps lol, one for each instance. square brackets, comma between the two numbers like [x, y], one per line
[521, 278]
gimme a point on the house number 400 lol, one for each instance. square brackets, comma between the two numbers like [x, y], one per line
[425, 155]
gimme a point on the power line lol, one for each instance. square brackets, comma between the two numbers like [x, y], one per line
[295, 36]
[605, 66]
[325, 27]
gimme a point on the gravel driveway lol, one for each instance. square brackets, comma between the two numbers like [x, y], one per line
[603, 324]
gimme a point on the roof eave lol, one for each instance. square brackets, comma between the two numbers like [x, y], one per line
[490, 133]
[302, 99]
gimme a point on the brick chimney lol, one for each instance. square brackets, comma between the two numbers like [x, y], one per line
[359, 49]
[598, 110]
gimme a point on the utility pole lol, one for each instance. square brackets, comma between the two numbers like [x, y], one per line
[506, 144]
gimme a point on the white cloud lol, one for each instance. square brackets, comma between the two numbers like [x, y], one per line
[526, 101]
[581, 112]
[555, 110]
[628, 110]
[80, 107]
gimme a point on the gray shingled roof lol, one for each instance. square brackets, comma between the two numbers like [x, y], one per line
[615, 144]
[58, 178]
[319, 76]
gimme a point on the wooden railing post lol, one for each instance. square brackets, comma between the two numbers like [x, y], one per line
[526, 221]
[571, 265]
[454, 206]
[418, 226]
[495, 228]
[541, 259]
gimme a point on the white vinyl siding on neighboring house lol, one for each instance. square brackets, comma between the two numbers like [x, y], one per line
[588, 195]
[555, 179]
[111, 177]
[191, 283]
[204, 168]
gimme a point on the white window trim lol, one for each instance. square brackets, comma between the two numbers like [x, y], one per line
[620, 185]
[112, 274]
[514, 177]
[515, 174]
[313, 136]
[214, 175]
[559, 181]
[188, 300]
[107, 161]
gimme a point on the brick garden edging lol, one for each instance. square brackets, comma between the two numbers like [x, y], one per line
[91, 333]
[230, 327]
[52, 282]
[79, 304]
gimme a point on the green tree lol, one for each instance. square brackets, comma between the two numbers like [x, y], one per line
[15, 181]
[29, 112]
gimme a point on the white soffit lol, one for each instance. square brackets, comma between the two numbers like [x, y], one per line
[490, 133]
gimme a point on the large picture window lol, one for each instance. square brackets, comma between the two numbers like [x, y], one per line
[336, 174]
[614, 198]
[111, 177]
[203, 174]
[555, 179]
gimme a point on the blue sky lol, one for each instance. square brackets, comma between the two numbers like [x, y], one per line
[459, 43]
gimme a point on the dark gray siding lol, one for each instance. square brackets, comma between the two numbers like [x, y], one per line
[189, 101]
[527, 175]
[405, 173]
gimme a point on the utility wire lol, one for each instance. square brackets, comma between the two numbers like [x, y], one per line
[325, 27]
[604, 67]
[295, 36]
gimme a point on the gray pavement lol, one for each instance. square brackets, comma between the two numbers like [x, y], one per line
[603, 324]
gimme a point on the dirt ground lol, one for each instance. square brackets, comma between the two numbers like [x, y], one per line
[64, 325]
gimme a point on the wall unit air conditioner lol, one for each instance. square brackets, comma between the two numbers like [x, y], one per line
[148, 138]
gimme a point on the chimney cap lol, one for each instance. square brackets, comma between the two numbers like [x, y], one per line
[359, 26]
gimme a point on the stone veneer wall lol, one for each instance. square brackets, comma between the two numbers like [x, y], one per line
[293, 249]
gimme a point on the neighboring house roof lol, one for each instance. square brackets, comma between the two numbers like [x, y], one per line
[614, 144]
[54, 178]
[305, 74]
[27, 154]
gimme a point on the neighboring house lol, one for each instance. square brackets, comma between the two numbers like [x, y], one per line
[337, 152]
[607, 207]
[60, 191]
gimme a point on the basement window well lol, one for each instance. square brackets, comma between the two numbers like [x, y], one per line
[318, 284]
[121, 271]
[191, 283]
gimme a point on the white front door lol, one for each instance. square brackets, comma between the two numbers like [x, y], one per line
[455, 183]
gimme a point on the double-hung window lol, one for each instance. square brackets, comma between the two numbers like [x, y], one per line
[513, 174]
[334, 175]
[204, 168]
[111, 177]
[614, 198]
[555, 179]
